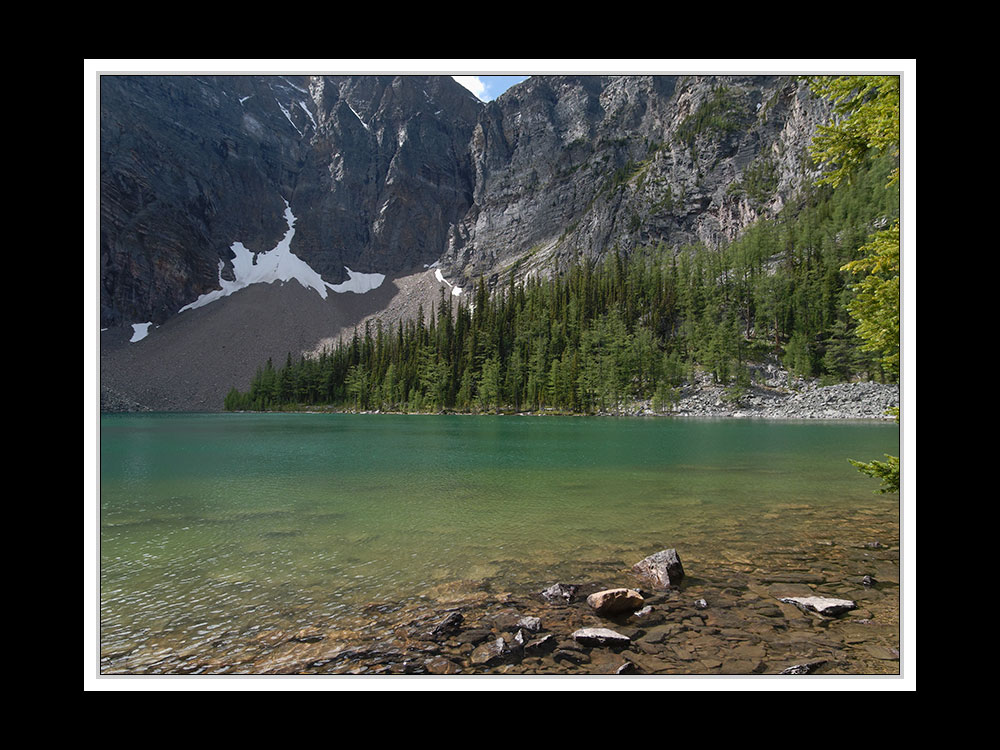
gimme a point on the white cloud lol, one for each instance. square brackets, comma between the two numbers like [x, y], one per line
[473, 84]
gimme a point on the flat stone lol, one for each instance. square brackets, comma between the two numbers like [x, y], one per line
[881, 652]
[600, 637]
[828, 607]
[575, 657]
[308, 635]
[472, 635]
[653, 665]
[615, 601]
[793, 577]
[740, 666]
[661, 633]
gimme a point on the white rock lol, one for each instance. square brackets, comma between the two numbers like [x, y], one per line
[828, 607]
[600, 637]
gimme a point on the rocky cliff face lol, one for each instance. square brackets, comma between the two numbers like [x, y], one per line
[376, 170]
[569, 165]
[389, 175]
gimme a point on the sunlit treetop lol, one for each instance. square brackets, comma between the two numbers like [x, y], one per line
[865, 118]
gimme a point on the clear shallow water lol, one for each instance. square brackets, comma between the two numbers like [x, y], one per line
[217, 527]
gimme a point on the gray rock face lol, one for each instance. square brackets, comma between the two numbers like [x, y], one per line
[584, 164]
[375, 168]
[662, 569]
[389, 172]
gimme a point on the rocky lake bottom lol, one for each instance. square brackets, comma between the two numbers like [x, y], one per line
[725, 617]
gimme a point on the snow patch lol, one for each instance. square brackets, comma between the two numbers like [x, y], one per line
[297, 88]
[310, 114]
[357, 115]
[139, 331]
[281, 264]
[455, 290]
[288, 116]
[359, 283]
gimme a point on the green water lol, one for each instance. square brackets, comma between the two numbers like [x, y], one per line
[216, 526]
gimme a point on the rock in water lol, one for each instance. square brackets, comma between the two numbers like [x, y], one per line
[600, 637]
[490, 653]
[529, 623]
[807, 668]
[662, 569]
[559, 592]
[615, 601]
[448, 626]
[828, 607]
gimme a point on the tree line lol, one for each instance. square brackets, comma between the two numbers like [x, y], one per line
[625, 327]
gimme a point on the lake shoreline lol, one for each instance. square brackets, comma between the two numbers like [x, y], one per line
[804, 401]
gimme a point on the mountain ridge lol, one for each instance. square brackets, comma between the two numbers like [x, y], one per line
[399, 175]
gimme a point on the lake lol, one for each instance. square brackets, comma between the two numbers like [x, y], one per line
[324, 543]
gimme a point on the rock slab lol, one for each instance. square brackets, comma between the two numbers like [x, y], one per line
[600, 637]
[823, 605]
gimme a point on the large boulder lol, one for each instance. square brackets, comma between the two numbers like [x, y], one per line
[615, 601]
[662, 569]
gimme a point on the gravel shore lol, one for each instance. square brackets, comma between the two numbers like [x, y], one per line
[775, 395]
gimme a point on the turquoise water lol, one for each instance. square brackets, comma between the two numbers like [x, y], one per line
[217, 526]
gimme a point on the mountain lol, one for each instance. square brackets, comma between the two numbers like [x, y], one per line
[246, 217]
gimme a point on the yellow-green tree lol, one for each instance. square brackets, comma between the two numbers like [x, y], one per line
[866, 116]
[865, 119]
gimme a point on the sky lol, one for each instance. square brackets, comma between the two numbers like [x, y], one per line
[488, 88]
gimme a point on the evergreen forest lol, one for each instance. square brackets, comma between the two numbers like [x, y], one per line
[604, 333]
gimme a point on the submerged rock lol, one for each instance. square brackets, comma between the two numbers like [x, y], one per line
[448, 626]
[308, 635]
[490, 652]
[615, 601]
[827, 607]
[529, 623]
[559, 592]
[538, 645]
[663, 569]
